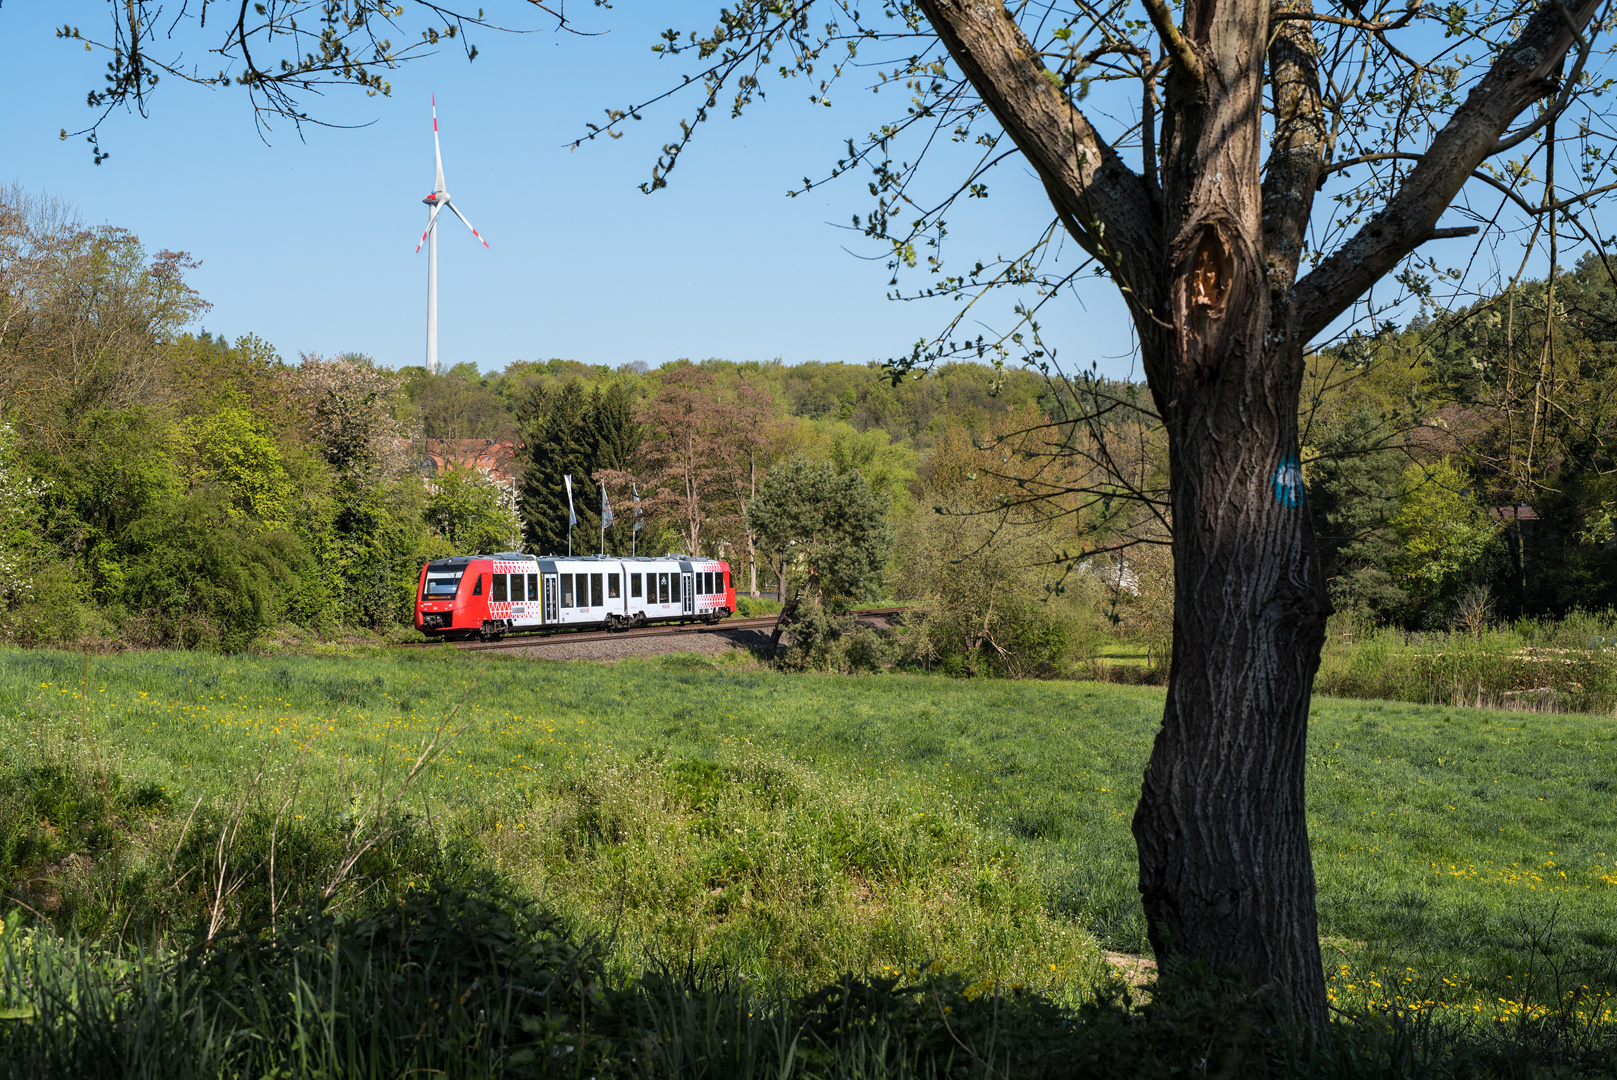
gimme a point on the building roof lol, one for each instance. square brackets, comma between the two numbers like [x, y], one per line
[497, 460]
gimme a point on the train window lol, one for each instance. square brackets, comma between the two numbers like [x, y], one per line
[596, 596]
[567, 590]
[634, 584]
[707, 582]
[477, 590]
[583, 590]
[533, 586]
[613, 592]
[440, 586]
[673, 588]
[662, 588]
[498, 593]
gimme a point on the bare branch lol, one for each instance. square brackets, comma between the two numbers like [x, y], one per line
[1519, 77]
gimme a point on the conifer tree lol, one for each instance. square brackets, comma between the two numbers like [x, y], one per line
[560, 443]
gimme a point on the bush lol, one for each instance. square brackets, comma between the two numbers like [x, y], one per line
[195, 578]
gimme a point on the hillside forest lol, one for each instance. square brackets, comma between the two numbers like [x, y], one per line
[160, 486]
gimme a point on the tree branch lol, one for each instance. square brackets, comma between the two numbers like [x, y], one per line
[1301, 142]
[1519, 77]
[1182, 51]
[1105, 205]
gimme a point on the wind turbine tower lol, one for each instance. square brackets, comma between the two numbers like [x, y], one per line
[438, 200]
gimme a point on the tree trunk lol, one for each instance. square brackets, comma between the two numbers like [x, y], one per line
[1226, 876]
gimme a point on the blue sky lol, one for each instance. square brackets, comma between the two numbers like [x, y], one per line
[307, 241]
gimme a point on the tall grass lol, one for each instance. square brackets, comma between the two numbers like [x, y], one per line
[1565, 666]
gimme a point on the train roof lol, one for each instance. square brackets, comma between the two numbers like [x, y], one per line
[516, 556]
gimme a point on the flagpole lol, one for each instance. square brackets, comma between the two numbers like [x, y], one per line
[572, 515]
[634, 531]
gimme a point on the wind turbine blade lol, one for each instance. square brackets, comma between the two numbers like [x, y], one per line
[431, 219]
[435, 148]
[454, 210]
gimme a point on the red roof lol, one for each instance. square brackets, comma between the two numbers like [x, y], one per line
[495, 459]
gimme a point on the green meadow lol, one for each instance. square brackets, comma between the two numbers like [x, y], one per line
[790, 826]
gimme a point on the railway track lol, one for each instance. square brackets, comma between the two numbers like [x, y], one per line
[539, 641]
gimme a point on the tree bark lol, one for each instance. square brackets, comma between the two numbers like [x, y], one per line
[1226, 876]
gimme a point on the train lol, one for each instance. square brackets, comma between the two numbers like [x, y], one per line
[489, 596]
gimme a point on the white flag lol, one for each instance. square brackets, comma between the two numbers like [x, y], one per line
[572, 515]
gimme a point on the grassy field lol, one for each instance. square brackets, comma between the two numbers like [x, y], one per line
[1464, 857]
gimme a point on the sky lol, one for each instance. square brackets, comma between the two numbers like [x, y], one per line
[307, 239]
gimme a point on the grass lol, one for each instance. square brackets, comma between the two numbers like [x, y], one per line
[804, 824]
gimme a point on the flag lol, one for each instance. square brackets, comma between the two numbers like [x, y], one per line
[606, 511]
[638, 524]
[572, 515]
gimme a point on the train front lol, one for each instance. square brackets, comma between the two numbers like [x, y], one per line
[439, 606]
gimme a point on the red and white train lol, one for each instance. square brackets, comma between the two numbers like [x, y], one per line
[489, 596]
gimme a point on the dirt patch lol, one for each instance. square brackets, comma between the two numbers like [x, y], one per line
[1136, 970]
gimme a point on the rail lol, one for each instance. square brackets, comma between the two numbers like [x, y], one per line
[539, 641]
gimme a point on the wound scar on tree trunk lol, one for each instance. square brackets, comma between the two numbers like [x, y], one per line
[1203, 290]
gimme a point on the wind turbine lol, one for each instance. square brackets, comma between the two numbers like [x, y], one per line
[438, 200]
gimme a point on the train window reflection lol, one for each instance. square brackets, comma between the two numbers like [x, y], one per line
[440, 586]
[567, 590]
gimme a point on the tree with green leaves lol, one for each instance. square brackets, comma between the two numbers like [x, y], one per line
[829, 532]
[1445, 531]
[560, 443]
[472, 512]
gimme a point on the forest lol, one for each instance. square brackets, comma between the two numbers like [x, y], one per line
[161, 486]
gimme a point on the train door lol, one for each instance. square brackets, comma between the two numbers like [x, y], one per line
[550, 599]
[687, 595]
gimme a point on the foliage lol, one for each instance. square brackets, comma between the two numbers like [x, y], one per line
[194, 581]
[829, 530]
[560, 442]
[351, 408]
[983, 580]
[460, 403]
[20, 550]
[1354, 481]
[1445, 533]
[473, 512]
[227, 448]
